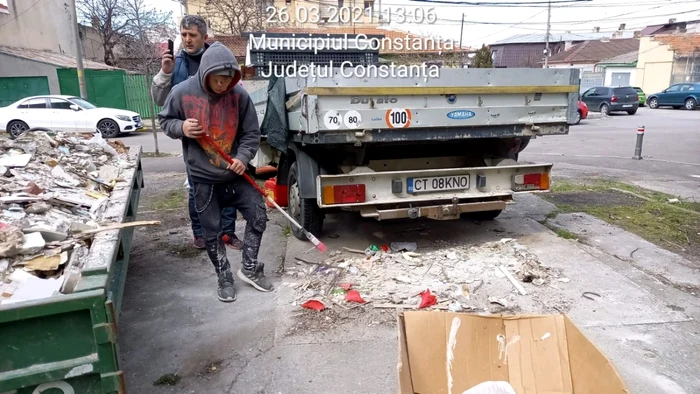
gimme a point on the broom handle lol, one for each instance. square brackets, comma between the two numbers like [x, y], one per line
[230, 161]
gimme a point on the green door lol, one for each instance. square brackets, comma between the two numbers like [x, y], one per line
[15, 88]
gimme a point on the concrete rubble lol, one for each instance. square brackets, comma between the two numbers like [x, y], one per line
[52, 189]
[495, 277]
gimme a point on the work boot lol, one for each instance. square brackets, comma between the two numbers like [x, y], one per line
[232, 242]
[199, 243]
[227, 292]
[256, 278]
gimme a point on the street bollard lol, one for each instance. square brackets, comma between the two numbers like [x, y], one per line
[640, 139]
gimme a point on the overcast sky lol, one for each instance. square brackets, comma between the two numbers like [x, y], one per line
[487, 24]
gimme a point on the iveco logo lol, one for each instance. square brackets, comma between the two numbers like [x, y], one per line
[461, 114]
[377, 100]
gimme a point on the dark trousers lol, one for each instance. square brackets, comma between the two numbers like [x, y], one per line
[211, 200]
[228, 217]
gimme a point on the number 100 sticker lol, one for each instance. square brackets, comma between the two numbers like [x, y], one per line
[398, 118]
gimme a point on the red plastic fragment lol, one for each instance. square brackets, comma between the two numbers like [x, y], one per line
[345, 286]
[354, 296]
[427, 299]
[313, 304]
[384, 248]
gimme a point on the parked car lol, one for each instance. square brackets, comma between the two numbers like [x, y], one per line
[679, 95]
[582, 112]
[66, 113]
[642, 96]
[611, 99]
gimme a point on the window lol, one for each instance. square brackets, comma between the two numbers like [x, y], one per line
[369, 4]
[59, 103]
[34, 103]
[673, 88]
[81, 103]
[340, 3]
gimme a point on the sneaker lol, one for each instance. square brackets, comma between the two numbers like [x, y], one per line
[199, 243]
[256, 278]
[232, 242]
[227, 293]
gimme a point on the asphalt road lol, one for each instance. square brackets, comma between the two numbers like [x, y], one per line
[605, 146]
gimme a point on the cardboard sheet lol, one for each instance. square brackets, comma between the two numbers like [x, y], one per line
[451, 353]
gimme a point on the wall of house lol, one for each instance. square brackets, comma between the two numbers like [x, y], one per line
[610, 70]
[16, 67]
[654, 66]
[47, 26]
[582, 67]
[92, 44]
[521, 55]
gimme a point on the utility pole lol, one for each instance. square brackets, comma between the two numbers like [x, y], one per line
[546, 39]
[79, 52]
[461, 31]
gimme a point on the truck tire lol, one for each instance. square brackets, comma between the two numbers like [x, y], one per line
[304, 210]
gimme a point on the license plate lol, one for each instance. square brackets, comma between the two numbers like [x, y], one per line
[437, 184]
[626, 105]
[139, 125]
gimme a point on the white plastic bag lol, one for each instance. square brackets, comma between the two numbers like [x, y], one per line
[491, 388]
[98, 140]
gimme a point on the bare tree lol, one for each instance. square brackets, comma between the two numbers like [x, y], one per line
[106, 17]
[235, 16]
[145, 30]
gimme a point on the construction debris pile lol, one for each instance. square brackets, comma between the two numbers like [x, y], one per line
[54, 191]
[489, 278]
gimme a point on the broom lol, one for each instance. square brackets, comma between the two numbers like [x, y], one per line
[318, 244]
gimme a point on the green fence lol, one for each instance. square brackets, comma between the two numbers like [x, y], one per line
[15, 88]
[113, 89]
[138, 95]
[105, 88]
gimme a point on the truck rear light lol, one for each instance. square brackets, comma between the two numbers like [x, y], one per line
[343, 194]
[531, 182]
[613, 99]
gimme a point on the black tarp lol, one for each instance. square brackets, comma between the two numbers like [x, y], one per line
[274, 124]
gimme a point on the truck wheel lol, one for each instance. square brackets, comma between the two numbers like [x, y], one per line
[483, 216]
[304, 210]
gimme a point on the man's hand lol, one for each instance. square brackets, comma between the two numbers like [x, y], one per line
[192, 129]
[237, 166]
[167, 63]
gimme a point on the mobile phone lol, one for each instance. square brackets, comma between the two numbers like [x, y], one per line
[171, 47]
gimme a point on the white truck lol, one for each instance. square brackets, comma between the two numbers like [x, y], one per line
[388, 148]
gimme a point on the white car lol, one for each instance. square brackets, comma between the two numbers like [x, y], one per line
[66, 113]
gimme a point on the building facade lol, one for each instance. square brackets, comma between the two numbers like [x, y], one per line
[46, 27]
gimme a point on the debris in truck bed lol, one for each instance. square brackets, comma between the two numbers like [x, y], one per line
[54, 190]
[492, 277]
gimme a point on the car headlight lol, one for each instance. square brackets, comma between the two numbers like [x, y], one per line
[123, 117]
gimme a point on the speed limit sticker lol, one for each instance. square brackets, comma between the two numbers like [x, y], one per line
[332, 120]
[352, 119]
[398, 118]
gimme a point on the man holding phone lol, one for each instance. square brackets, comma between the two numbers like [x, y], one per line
[177, 69]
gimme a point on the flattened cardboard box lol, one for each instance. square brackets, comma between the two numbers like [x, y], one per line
[450, 353]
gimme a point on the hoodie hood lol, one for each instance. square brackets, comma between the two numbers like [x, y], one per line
[218, 58]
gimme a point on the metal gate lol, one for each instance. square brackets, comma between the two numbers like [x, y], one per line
[104, 88]
[15, 88]
[590, 79]
[620, 79]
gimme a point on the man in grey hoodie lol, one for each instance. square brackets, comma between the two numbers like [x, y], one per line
[213, 103]
[174, 70]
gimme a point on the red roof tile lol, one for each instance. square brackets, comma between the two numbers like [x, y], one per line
[682, 44]
[237, 44]
[595, 51]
